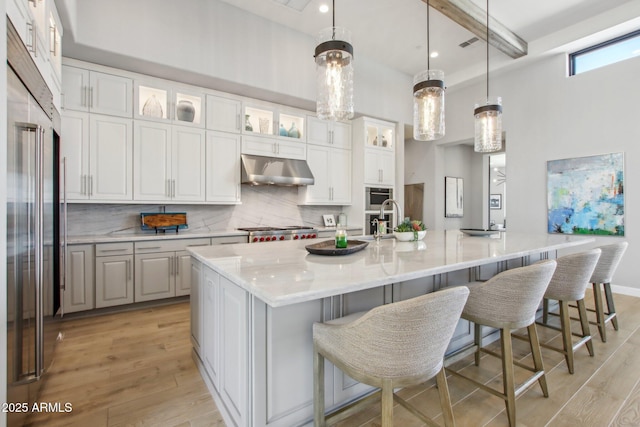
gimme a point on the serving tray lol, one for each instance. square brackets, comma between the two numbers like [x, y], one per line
[328, 247]
[163, 221]
[478, 232]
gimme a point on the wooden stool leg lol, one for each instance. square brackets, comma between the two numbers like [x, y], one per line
[478, 342]
[597, 297]
[536, 354]
[387, 403]
[508, 376]
[584, 323]
[318, 390]
[545, 311]
[610, 305]
[567, 344]
[445, 398]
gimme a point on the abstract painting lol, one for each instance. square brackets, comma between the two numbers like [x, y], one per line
[585, 195]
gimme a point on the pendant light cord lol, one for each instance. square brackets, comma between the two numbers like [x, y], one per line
[428, 49]
[333, 22]
[487, 50]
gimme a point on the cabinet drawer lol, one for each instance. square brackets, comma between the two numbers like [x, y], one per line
[109, 249]
[169, 245]
[229, 239]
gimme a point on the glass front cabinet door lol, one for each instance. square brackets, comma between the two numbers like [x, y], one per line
[271, 121]
[165, 103]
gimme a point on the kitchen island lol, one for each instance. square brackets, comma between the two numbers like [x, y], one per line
[253, 308]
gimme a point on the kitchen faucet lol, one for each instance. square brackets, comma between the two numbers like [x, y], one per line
[381, 222]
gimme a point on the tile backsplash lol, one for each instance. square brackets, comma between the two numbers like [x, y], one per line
[261, 205]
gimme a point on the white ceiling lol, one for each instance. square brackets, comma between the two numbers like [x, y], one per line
[394, 32]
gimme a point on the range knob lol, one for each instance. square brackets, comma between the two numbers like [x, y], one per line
[296, 237]
[281, 237]
[313, 236]
[262, 239]
[274, 238]
[255, 239]
[308, 236]
[302, 236]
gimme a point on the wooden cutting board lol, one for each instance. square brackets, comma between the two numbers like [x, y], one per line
[169, 220]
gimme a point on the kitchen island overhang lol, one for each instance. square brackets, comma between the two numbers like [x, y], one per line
[254, 307]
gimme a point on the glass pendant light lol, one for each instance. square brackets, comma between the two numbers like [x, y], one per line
[488, 116]
[334, 73]
[428, 100]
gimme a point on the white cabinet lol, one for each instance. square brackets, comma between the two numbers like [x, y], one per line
[196, 303]
[273, 120]
[225, 343]
[79, 289]
[224, 114]
[96, 92]
[39, 28]
[328, 132]
[379, 167]
[331, 168]
[169, 162]
[161, 270]
[375, 142]
[223, 167]
[99, 153]
[272, 147]
[211, 325]
[114, 274]
[163, 101]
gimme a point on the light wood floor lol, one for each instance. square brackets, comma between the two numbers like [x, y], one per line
[135, 369]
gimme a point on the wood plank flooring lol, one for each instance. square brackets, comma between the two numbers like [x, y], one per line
[135, 369]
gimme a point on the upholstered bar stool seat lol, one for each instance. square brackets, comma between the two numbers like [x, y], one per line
[391, 346]
[603, 274]
[569, 283]
[509, 300]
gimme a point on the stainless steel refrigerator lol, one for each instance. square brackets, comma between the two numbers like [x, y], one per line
[33, 248]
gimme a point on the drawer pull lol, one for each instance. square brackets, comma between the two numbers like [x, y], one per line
[151, 247]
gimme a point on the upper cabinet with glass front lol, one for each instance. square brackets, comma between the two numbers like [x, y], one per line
[160, 101]
[379, 134]
[271, 120]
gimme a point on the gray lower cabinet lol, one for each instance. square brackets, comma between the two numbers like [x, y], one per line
[196, 311]
[79, 285]
[163, 269]
[114, 274]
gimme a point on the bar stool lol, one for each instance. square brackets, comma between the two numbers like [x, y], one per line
[509, 300]
[603, 274]
[569, 283]
[391, 346]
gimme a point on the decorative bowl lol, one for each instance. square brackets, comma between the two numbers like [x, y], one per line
[408, 236]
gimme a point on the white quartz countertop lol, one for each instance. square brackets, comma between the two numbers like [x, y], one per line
[285, 273]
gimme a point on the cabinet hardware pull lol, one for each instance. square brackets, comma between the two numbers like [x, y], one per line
[150, 247]
[129, 269]
[173, 188]
[195, 246]
[91, 97]
[113, 250]
[90, 185]
[167, 190]
[177, 265]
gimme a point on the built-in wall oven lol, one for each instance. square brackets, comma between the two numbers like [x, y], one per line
[375, 196]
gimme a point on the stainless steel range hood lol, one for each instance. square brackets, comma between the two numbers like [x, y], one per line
[275, 171]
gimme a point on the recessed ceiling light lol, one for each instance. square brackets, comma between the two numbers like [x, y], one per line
[434, 54]
[324, 8]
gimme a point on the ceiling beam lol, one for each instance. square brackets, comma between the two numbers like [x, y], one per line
[468, 15]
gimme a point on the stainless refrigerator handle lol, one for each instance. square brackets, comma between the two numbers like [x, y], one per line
[39, 251]
[65, 234]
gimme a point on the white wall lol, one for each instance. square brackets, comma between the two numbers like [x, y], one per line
[216, 45]
[549, 116]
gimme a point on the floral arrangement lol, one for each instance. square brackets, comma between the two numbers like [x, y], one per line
[407, 225]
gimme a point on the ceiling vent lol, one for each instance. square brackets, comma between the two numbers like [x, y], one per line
[468, 42]
[298, 5]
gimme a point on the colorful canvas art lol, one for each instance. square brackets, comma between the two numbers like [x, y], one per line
[585, 195]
